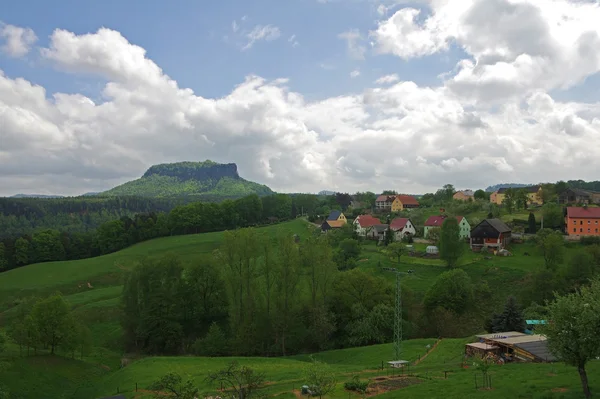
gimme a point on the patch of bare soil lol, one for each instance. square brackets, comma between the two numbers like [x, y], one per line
[297, 393]
[385, 384]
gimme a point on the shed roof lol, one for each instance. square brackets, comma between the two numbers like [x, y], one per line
[538, 349]
[483, 346]
[380, 227]
[500, 335]
[498, 224]
[520, 339]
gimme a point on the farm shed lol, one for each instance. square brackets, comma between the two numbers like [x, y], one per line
[518, 346]
[480, 349]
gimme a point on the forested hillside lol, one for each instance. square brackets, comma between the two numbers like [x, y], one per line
[190, 179]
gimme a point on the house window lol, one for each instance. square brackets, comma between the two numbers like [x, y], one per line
[575, 230]
[575, 222]
[589, 230]
[581, 222]
[596, 230]
[589, 222]
[596, 222]
[581, 230]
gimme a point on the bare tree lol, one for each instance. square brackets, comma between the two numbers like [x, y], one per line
[243, 380]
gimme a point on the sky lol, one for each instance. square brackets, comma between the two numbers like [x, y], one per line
[303, 95]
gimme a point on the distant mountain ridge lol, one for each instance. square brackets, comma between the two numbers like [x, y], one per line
[189, 179]
[491, 189]
[36, 196]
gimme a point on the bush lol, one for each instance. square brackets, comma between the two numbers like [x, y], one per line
[356, 385]
[591, 240]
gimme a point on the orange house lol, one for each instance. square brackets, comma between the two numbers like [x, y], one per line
[582, 221]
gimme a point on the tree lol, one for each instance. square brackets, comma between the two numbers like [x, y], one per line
[319, 377]
[214, 342]
[52, 318]
[451, 245]
[573, 329]
[580, 269]
[3, 341]
[551, 244]
[286, 285]
[3, 258]
[21, 251]
[433, 235]
[521, 199]
[347, 254]
[173, 386]
[552, 216]
[531, 222]
[511, 319]
[509, 200]
[396, 250]
[481, 195]
[243, 380]
[452, 290]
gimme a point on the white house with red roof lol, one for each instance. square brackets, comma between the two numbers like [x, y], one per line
[402, 227]
[364, 223]
[437, 221]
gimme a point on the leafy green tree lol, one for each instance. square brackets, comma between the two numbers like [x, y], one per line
[110, 236]
[286, 287]
[213, 344]
[509, 200]
[511, 319]
[52, 318]
[481, 195]
[573, 329]
[46, 246]
[520, 199]
[433, 235]
[3, 257]
[452, 290]
[347, 254]
[531, 222]
[3, 341]
[320, 377]
[173, 386]
[451, 245]
[21, 251]
[580, 269]
[397, 250]
[551, 244]
[552, 216]
[244, 381]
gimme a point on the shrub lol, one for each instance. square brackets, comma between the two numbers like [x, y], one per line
[356, 385]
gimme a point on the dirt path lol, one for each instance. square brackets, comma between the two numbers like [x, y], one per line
[428, 352]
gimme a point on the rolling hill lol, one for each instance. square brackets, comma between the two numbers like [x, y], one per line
[206, 178]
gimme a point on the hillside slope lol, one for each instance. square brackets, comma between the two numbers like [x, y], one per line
[190, 178]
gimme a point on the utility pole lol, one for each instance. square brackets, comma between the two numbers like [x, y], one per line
[398, 314]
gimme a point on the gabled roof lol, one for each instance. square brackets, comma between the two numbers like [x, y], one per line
[334, 215]
[529, 189]
[499, 225]
[578, 191]
[580, 212]
[407, 200]
[398, 223]
[468, 193]
[367, 221]
[385, 198]
[437, 221]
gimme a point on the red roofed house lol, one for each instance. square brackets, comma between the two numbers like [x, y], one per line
[582, 221]
[402, 202]
[364, 223]
[437, 221]
[384, 202]
[402, 227]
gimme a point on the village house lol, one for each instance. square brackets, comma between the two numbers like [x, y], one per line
[579, 196]
[384, 202]
[490, 233]
[463, 195]
[582, 221]
[402, 202]
[437, 221]
[363, 223]
[378, 232]
[335, 220]
[534, 195]
[402, 227]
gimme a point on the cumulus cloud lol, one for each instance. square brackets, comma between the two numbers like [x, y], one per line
[514, 47]
[17, 40]
[403, 136]
[355, 74]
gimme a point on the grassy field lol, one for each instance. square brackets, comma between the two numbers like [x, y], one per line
[97, 305]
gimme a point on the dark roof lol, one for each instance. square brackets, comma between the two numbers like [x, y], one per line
[334, 215]
[538, 349]
[380, 227]
[499, 225]
[529, 189]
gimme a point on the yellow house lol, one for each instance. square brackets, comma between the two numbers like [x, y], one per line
[402, 202]
[534, 195]
[337, 216]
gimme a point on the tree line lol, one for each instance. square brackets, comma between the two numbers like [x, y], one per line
[57, 244]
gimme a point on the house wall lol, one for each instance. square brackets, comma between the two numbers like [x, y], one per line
[535, 198]
[460, 196]
[582, 226]
[465, 229]
[397, 205]
[409, 228]
[496, 198]
[342, 217]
